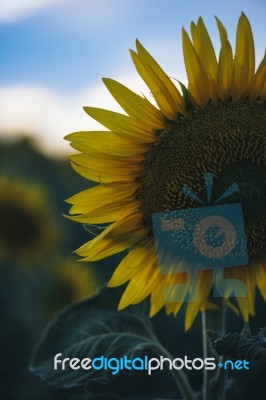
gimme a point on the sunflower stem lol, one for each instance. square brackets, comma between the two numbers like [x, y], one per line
[179, 377]
[214, 382]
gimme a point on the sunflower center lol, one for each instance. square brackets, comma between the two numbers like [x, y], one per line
[225, 139]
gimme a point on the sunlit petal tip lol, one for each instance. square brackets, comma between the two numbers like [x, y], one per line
[67, 137]
[244, 17]
[152, 312]
[124, 302]
[200, 20]
[130, 127]
[198, 81]
[192, 25]
[185, 34]
[141, 49]
[189, 321]
[244, 59]
[121, 306]
[139, 46]
[222, 31]
[112, 283]
[163, 89]
[135, 105]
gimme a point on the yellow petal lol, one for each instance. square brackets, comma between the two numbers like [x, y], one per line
[139, 286]
[206, 54]
[102, 162]
[198, 82]
[107, 213]
[194, 35]
[133, 262]
[164, 91]
[222, 31]
[232, 306]
[205, 281]
[261, 279]
[246, 304]
[175, 289]
[259, 80]
[244, 59]
[263, 92]
[225, 70]
[208, 305]
[135, 105]
[106, 142]
[157, 297]
[117, 237]
[173, 308]
[101, 195]
[105, 174]
[120, 123]
[169, 292]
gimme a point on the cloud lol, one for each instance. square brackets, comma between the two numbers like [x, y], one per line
[48, 116]
[13, 10]
[80, 13]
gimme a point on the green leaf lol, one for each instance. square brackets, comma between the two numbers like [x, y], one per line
[91, 329]
[239, 346]
[96, 396]
[113, 396]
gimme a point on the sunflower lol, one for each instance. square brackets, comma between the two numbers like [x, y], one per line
[27, 229]
[74, 282]
[141, 162]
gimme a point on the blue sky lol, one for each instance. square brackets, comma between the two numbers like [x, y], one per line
[55, 52]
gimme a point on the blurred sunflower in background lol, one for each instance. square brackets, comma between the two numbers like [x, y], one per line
[215, 124]
[73, 282]
[35, 277]
[27, 229]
